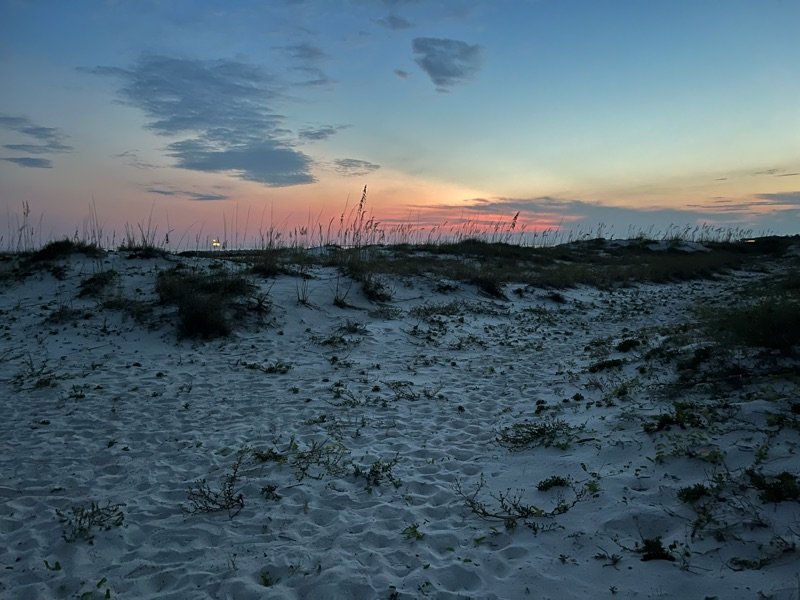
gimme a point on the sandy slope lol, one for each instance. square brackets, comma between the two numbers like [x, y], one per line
[350, 462]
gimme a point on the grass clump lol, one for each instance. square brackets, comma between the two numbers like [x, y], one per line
[203, 299]
[653, 549]
[267, 263]
[375, 288]
[628, 344]
[378, 472]
[683, 415]
[693, 493]
[553, 482]
[548, 432]
[605, 365]
[80, 521]
[202, 499]
[772, 323]
[431, 310]
[766, 317]
[141, 242]
[490, 285]
[412, 533]
[63, 249]
[94, 286]
[776, 488]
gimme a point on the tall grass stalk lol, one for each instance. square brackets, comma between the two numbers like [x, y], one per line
[356, 227]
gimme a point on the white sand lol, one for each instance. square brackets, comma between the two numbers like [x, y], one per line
[101, 408]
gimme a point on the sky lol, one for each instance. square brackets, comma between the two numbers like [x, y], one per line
[217, 118]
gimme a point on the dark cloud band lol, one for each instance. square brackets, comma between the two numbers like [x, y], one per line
[50, 141]
[32, 163]
[225, 107]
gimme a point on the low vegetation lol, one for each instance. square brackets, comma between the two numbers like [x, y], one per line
[766, 315]
[81, 522]
[204, 299]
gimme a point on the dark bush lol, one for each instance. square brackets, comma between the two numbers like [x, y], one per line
[203, 299]
[63, 249]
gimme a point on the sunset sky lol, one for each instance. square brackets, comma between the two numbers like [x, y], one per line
[630, 113]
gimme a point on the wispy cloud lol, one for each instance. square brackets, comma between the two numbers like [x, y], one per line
[353, 167]
[224, 106]
[165, 191]
[50, 141]
[305, 52]
[402, 74]
[447, 62]
[781, 198]
[33, 163]
[38, 148]
[131, 157]
[319, 133]
[774, 173]
[557, 212]
[308, 60]
[394, 22]
[312, 76]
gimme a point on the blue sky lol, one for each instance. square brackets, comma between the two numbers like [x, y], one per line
[572, 113]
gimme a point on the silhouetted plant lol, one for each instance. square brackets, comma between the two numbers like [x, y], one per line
[80, 521]
[202, 299]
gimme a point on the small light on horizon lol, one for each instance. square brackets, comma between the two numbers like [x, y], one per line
[215, 243]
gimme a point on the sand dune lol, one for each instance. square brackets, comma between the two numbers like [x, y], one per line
[386, 451]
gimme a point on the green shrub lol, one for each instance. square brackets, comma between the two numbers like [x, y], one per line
[604, 365]
[692, 493]
[490, 285]
[770, 323]
[94, 286]
[777, 488]
[546, 433]
[202, 299]
[375, 288]
[267, 264]
[653, 549]
[553, 481]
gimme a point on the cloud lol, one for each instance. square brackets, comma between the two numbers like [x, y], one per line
[188, 194]
[774, 173]
[307, 58]
[265, 162]
[312, 76]
[319, 133]
[447, 62]
[616, 221]
[206, 197]
[224, 106]
[162, 192]
[131, 157]
[402, 74]
[394, 23]
[50, 141]
[781, 198]
[33, 163]
[352, 167]
[38, 148]
[304, 52]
